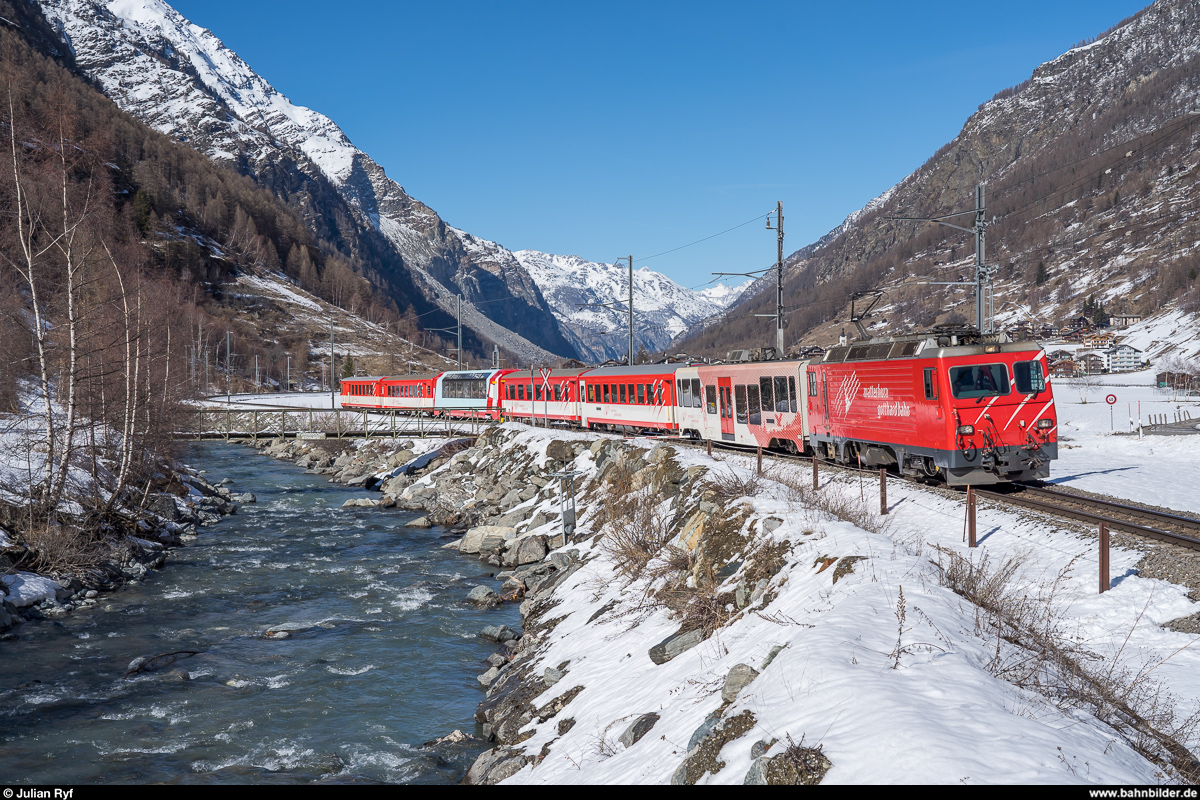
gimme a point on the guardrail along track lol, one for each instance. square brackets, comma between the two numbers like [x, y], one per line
[1160, 525]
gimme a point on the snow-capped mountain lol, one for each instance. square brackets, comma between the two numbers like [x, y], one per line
[662, 309]
[180, 79]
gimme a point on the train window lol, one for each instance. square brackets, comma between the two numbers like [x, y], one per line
[755, 415]
[812, 384]
[930, 384]
[683, 392]
[622, 393]
[764, 386]
[631, 393]
[521, 392]
[739, 399]
[558, 393]
[1029, 377]
[710, 396]
[979, 380]
[641, 394]
[781, 394]
[792, 393]
[696, 393]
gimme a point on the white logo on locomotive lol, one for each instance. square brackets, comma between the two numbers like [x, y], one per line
[876, 392]
[848, 391]
[893, 410]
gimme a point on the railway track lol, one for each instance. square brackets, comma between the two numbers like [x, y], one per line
[1149, 523]
[1145, 522]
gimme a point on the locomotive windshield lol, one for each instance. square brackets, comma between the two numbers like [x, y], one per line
[979, 380]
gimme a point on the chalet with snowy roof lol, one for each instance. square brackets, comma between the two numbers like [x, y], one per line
[1064, 368]
[1124, 320]
[1099, 340]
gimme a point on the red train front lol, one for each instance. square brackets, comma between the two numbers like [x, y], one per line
[956, 405]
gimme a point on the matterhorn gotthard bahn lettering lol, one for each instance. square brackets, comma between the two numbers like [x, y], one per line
[782, 477]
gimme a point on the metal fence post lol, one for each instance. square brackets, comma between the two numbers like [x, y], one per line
[815, 478]
[1104, 563]
[971, 517]
[883, 491]
[760, 459]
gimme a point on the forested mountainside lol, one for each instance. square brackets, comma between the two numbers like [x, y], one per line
[1092, 186]
[125, 231]
[578, 289]
[181, 80]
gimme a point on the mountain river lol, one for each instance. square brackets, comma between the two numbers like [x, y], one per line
[391, 664]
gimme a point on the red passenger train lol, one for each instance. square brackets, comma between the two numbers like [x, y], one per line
[954, 405]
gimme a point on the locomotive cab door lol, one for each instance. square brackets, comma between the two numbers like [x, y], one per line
[725, 394]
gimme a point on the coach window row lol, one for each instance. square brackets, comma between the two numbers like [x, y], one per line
[687, 393]
[630, 393]
[559, 392]
[410, 390]
[775, 394]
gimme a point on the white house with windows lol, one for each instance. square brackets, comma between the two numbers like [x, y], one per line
[1123, 358]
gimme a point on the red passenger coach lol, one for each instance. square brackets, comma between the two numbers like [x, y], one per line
[969, 408]
[411, 393]
[553, 395]
[629, 399]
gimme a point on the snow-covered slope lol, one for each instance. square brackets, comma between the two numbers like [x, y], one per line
[180, 79]
[662, 309]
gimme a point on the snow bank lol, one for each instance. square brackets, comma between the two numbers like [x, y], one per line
[26, 589]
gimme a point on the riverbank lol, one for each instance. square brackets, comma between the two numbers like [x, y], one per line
[69, 565]
[380, 654]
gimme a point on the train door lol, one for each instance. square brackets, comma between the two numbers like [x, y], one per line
[725, 393]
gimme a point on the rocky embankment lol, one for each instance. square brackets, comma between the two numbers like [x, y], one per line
[499, 492]
[61, 569]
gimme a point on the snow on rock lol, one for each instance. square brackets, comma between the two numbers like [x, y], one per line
[27, 589]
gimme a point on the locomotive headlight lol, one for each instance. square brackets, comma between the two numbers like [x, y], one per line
[991, 348]
[966, 430]
[1045, 423]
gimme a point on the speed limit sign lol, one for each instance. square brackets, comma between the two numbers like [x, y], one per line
[1112, 398]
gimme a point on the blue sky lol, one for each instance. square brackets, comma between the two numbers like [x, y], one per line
[607, 129]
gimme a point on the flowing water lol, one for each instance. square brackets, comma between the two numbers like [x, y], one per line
[391, 664]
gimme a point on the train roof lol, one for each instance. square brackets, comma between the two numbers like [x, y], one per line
[636, 369]
[554, 373]
[373, 378]
[936, 343]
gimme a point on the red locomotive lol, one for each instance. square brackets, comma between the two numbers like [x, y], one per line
[964, 407]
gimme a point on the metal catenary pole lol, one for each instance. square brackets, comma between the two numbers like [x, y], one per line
[458, 314]
[631, 311]
[778, 228]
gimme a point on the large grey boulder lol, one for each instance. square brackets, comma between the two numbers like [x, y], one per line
[529, 550]
[483, 596]
[639, 728]
[498, 634]
[675, 644]
[495, 535]
[739, 677]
